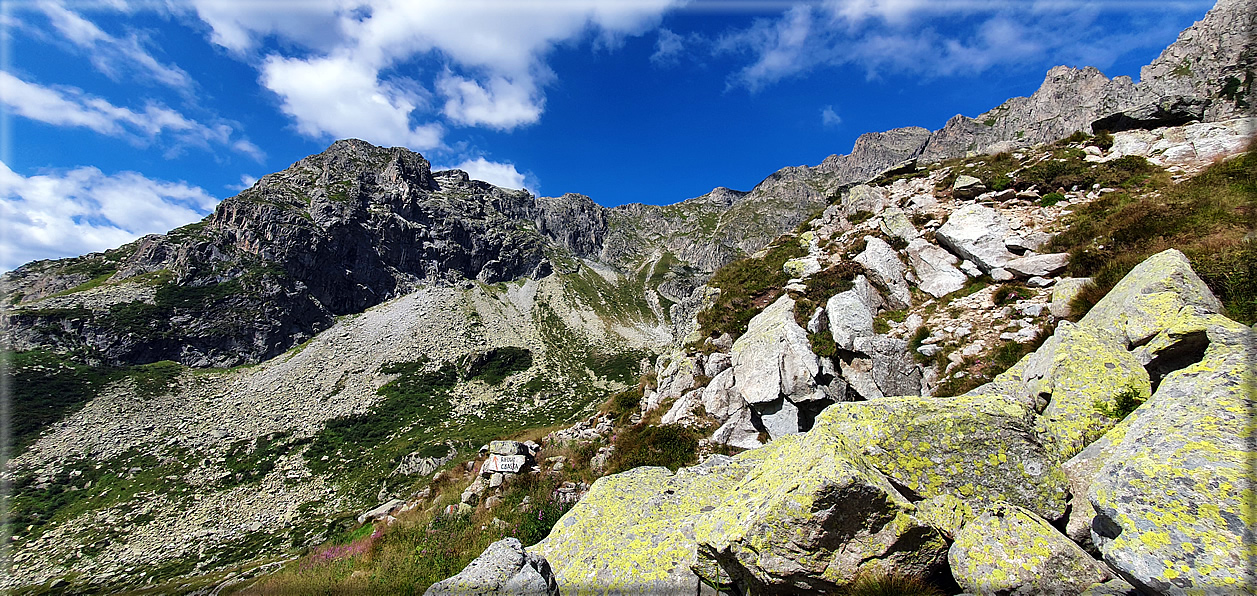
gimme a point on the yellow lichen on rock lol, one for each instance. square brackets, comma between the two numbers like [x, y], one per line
[1008, 549]
[980, 447]
[1177, 471]
[813, 519]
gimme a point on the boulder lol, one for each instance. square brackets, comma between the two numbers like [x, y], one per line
[1150, 297]
[779, 417]
[858, 374]
[894, 370]
[634, 532]
[774, 357]
[1064, 292]
[883, 265]
[738, 431]
[1074, 371]
[811, 518]
[716, 363]
[1020, 243]
[897, 224]
[1010, 550]
[503, 568]
[380, 511]
[676, 376]
[1174, 494]
[935, 268]
[849, 318]
[967, 187]
[945, 513]
[720, 398]
[980, 448]
[1113, 587]
[507, 448]
[976, 233]
[1038, 265]
[864, 198]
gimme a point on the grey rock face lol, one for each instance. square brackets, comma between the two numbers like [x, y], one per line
[876, 152]
[849, 318]
[977, 233]
[883, 265]
[774, 358]
[893, 369]
[935, 269]
[1038, 265]
[502, 569]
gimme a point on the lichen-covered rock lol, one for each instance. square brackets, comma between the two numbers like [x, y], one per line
[1073, 371]
[1175, 495]
[897, 224]
[504, 569]
[945, 513]
[1064, 292]
[774, 358]
[883, 265]
[812, 517]
[981, 448]
[1150, 297]
[935, 268]
[1113, 587]
[1010, 550]
[976, 233]
[633, 532]
[863, 198]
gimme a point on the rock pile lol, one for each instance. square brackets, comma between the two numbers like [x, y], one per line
[974, 485]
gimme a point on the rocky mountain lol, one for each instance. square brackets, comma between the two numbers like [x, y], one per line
[344, 335]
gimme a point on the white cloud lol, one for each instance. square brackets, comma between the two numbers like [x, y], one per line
[830, 118]
[246, 181]
[83, 210]
[783, 47]
[503, 105]
[68, 106]
[238, 25]
[504, 175]
[358, 76]
[932, 38]
[343, 98]
[112, 55]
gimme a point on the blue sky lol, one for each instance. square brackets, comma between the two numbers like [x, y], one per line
[126, 117]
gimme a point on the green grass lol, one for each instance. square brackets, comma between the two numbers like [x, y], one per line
[1206, 217]
[747, 286]
[497, 364]
[671, 446]
[1125, 401]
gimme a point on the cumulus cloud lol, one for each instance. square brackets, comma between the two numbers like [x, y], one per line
[343, 98]
[497, 174]
[83, 210]
[360, 67]
[111, 55]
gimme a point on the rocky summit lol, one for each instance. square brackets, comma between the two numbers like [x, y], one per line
[1010, 356]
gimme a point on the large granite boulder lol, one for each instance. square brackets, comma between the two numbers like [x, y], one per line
[810, 519]
[1173, 493]
[1074, 372]
[935, 268]
[893, 368]
[883, 265]
[774, 358]
[1150, 298]
[863, 198]
[1038, 265]
[977, 233]
[504, 569]
[981, 448]
[850, 317]
[1010, 550]
[633, 532]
